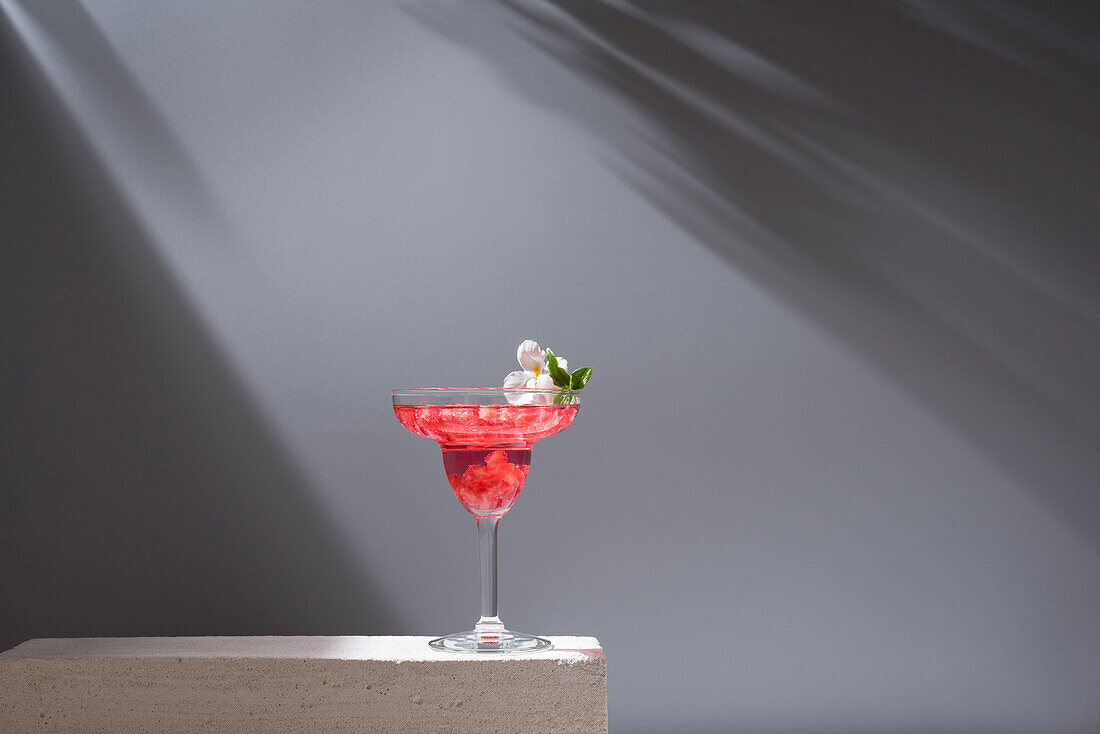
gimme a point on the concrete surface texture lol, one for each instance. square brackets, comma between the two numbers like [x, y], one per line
[297, 684]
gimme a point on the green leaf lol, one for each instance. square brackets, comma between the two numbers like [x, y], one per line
[557, 374]
[580, 378]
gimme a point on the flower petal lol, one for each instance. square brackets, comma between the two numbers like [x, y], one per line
[530, 357]
[520, 397]
[562, 362]
[543, 382]
[517, 379]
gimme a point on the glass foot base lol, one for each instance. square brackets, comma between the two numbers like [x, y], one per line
[499, 642]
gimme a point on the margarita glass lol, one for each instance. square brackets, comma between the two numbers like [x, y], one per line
[486, 435]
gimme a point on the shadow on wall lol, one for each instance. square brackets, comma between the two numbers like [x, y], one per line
[916, 178]
[75, 42]
[142, 493]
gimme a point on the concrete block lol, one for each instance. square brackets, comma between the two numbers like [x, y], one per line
[297, 684]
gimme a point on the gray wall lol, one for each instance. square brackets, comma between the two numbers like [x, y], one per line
[835, 265]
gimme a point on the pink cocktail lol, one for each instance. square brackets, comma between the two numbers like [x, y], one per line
[486, 435]
[486, 448]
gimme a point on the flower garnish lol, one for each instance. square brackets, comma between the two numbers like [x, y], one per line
[545, 370]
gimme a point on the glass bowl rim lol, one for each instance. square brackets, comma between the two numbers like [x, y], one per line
[477, 395]
[536, 390]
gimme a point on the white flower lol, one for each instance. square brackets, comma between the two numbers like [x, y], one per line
[530, 357]
[534, 373]
[522, 378]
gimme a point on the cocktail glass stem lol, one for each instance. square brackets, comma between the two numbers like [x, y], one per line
[487, 549]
